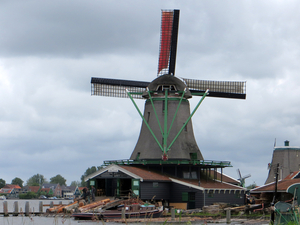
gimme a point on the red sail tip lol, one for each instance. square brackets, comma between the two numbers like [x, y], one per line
[165, 42]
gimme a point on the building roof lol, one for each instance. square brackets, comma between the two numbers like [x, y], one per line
[11, 186]
[225, 178]
[34, 189]
[293, 175]
[68, 188]
[282, 186]
[46, 190]
[113, 168]
[49, 185]
[207, 184]
[145, 175]
[6, 191]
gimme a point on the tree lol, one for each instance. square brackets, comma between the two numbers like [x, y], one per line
[36, 180]
[88, 172]
[58, 179]
[75, 183]
[251, 186]
[17, 181]
[2, 183]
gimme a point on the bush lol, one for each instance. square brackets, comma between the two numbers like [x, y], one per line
[28, 195]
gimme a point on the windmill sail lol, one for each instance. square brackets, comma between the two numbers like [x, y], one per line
[221, 89]
[116, 87]
[168, 42]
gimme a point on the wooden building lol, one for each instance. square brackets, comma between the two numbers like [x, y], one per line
[186, 193]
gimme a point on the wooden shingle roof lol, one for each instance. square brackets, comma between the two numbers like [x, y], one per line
[145, 174]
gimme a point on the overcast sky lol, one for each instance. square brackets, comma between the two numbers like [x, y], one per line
[49, 50]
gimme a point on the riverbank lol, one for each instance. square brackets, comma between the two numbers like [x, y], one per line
[66, 219]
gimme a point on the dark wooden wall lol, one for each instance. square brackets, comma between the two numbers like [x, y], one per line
[161, 190]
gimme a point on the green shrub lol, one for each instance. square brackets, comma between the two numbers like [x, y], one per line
[28, 195]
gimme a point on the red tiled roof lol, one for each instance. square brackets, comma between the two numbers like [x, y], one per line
[11, 186]
[282, 186]
[34, 189]
[145, 174]
[6, 191]
[292, 175]
[46, 190]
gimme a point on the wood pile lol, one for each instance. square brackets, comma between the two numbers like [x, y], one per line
[212, 209]
[61, 208]
[80, 206]
[93, 205]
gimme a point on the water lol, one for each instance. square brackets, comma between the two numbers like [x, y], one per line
[36, 220]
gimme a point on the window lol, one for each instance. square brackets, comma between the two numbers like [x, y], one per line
[193, 156]
[190, 175]
[155, 184]
[185, 196]
[194, 175]
[192, 196]
[210, 195]
[186, 175]
[164, 87]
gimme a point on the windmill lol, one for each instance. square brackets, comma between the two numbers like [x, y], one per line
[242, 179]
[167, 131]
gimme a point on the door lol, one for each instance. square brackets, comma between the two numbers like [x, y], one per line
[135, 187]
[192, 200]
[108, 187]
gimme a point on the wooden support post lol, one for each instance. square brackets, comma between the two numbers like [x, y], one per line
[123, 213]
[27, 208]
[16, 208]
[40, 207]
[5, 209]
[228, 216]
[221, 175]
[173, 214]
[51, 204]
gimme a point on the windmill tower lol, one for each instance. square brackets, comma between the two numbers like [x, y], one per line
[287, 158]
[167, 132]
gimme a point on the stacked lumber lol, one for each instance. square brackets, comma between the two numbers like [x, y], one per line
[69, 208]
[62, 208]
[54, 209]
[93, 205]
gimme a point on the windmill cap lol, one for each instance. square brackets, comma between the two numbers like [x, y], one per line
[169, 81]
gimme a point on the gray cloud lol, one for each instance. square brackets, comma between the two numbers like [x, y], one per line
[50, 124]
